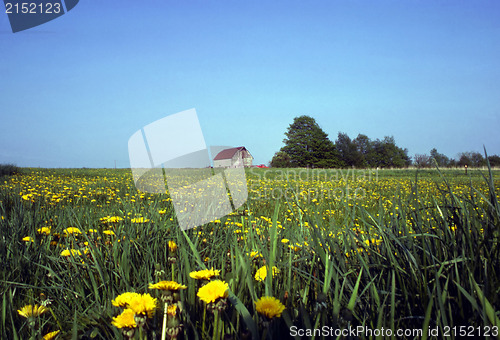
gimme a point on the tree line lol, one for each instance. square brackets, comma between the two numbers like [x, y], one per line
[307, 145]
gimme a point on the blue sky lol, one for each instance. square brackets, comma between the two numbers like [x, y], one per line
[74, 90]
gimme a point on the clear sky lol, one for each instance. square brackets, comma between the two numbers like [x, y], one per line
[74, 90]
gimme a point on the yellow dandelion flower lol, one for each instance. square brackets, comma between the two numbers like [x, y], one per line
[27, 197]
[114, 219]
[167, 285]
[51, 335]
[71, 230]
[32, 311]
[261, 273]
[172, 246]
[285, 240]
[269, 306]
[43, 231]
[213, 290]
[28, 239]
[172, 310]
[143, 304]
[139, 220]
[123, 300]
[69, 252]
[108, 232]
[254, 253]
[125, 319]
[205, 274]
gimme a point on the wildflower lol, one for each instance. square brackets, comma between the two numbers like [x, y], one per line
[143, 304]
[269, 306]
[125, 319]
[28, 239]
[167, 285]
[173, 325]
[123, 300]
[205, 274]
[108, 232]
[71, 230]
[51, 335]
[27, 197]
[169, 290]
[114, 219]
[69, 252]
[172, 246]
[43, 231]
[285, 240]
[254, 253]
[213, 291]
[139, 220]
[262, 273]
[32, 311]
[172, 310]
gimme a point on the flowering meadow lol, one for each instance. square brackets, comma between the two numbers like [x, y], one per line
[85, 255]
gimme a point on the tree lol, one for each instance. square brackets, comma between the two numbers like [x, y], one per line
[494, 160]
[471, 159]
[281, 160]
[364, 147]
[441, 160]
[422, 161]
[478, 159]
[308, 145]
[385, 153]
[464, 159]
[348, 151]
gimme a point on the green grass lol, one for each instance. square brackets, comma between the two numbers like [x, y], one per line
[418, 249]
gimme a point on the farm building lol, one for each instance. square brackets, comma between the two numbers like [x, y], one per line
[229, 157]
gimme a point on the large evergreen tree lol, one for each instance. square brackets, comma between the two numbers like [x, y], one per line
[308, 145]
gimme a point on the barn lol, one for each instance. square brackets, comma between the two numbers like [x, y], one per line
[228, 158]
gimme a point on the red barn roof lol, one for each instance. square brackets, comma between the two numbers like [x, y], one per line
[228, 153]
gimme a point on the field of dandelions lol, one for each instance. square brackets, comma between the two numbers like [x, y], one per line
[84, 255]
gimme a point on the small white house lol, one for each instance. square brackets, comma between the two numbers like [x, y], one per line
[229, 158]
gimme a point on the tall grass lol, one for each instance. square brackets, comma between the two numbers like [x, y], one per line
[419, 263]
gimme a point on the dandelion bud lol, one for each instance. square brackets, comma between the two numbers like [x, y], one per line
[140, 319]
[128, 332]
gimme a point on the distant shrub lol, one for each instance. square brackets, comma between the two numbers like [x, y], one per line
[8, 169]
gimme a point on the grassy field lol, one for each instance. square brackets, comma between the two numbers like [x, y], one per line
[378, 251]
